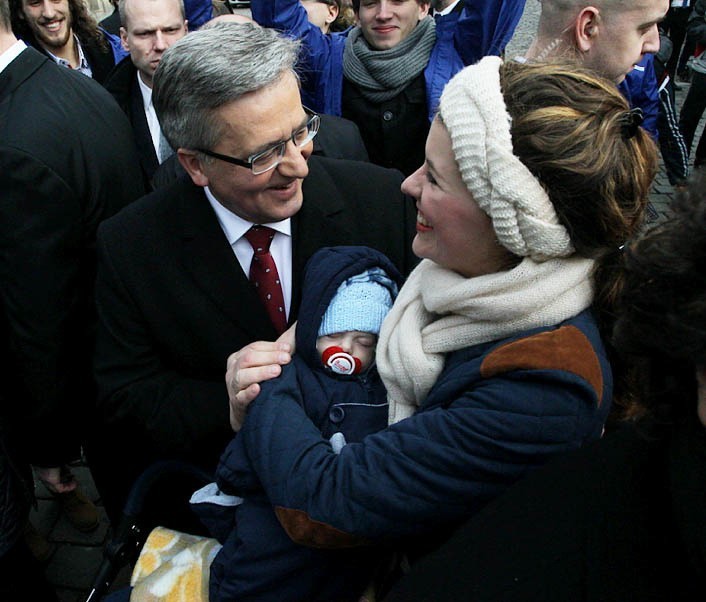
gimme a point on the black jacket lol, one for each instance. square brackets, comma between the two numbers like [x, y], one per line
[622, 519]
[394, 131]
[67, 162]
[123, 85]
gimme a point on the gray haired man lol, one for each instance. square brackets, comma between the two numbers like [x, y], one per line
[173, 291]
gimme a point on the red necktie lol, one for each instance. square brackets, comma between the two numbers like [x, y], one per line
[263, 274]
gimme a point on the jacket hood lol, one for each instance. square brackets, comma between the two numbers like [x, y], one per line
[324, 273]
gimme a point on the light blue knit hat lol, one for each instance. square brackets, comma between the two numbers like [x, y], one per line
[360, 303]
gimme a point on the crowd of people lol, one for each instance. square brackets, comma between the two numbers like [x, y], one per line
[421, 265]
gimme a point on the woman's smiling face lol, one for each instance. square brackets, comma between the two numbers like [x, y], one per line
[452, 230]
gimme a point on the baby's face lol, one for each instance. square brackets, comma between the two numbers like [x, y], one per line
[358, 344]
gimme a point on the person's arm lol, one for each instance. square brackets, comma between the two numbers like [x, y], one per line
[235, 458]
[290, 17]
[116, 46]
[696, 27]
[641, 90]
[485, 28]
[45, 265]
[433, 468]
[649, 98]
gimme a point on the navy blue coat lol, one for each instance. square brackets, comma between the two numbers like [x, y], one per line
[259, 561]
[497, 410]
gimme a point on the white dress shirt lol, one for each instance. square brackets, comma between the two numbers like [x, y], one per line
[150, 113]
[235, 227]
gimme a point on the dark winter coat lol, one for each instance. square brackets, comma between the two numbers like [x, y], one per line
[622, 519]
[497, 411]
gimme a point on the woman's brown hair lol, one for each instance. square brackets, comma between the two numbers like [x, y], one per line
[574, 131]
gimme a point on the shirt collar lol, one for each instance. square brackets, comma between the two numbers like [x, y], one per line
[11, 54]
[447, 10]
[146, 92]
[83, 65]
[235, 226]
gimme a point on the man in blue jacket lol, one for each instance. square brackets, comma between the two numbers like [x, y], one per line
[387, 73]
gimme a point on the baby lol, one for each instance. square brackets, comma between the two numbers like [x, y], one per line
[346, 294]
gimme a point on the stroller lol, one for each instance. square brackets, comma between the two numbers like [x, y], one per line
[133, 528]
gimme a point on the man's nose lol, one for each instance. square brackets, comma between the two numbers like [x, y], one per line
[160, 42]
[652, 41]
[294, 163]
[383, 11]
[48, 10]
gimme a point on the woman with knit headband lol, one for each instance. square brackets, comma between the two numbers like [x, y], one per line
[493, 354]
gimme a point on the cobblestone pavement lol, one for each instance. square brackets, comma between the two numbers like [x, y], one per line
[78, 556]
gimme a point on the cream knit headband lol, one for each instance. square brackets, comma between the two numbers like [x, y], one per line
[473, 110]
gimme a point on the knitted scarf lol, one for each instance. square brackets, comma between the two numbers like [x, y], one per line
[383, 74]
[438, 311]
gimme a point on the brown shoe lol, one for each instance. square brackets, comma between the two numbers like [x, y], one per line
[41, 549]
[81, 512]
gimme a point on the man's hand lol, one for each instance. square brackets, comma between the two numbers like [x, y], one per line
[251, 365]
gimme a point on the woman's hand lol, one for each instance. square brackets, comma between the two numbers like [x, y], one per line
[251, 365]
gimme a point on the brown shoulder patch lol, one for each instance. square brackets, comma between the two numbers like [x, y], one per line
[314, 534]
[565, 348]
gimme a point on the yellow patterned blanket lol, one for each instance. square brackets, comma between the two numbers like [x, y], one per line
[173, 567]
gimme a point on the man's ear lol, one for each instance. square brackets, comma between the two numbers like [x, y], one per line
[123, 39]
[193, 165]
[423, 9]
[586, 28]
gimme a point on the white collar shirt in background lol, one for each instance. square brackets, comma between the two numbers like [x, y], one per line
[150, 113]
[11, 54]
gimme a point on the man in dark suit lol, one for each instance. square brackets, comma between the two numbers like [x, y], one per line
[149, 28]
[173, 294]
[67, 161]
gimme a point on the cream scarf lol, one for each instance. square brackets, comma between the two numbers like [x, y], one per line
[438, 311]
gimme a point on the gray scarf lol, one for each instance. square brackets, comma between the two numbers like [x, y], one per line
[383, 74]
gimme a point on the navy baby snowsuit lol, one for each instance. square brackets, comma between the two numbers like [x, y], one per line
[258, 560]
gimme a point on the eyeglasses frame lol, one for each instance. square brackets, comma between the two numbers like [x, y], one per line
[314, 118]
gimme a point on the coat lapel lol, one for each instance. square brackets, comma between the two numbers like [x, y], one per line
[318, 224]
[143, 138]
[210, 261]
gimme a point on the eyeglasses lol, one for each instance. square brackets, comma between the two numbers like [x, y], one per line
[272, 157]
